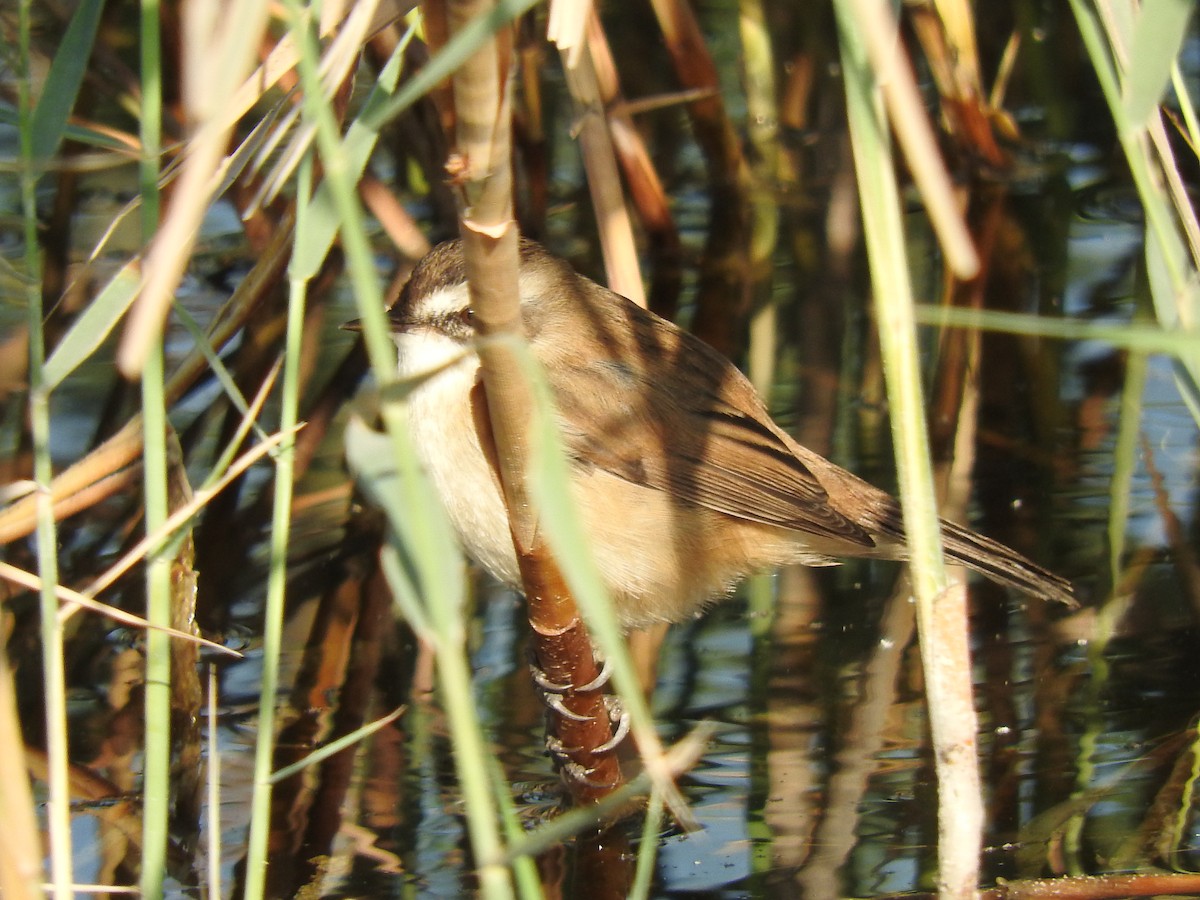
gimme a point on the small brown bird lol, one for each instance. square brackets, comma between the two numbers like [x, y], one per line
[684, 483]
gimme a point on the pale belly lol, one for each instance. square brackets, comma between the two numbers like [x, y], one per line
[661, 561]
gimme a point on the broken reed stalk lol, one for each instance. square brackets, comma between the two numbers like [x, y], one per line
[646, 190]
[481, 161]
[603, 181]
[946, 33]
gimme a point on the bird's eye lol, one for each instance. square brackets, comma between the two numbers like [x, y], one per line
[467, 316]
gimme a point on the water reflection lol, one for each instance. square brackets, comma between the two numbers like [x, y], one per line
[819, 777]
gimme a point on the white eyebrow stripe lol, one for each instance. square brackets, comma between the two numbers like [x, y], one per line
[440, 302]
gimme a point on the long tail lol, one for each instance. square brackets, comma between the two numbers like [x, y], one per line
[1003, 564]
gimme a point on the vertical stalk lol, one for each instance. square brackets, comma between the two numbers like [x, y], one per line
[214, 789]
[941, 610]
[53, 673]
[156, 771]
[425, 541]
[157, 768]
[281, 520]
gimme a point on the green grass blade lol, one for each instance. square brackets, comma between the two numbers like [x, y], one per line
[550, 486]
[941, 609]
[1176, 307]
[80, 134]
[369, 455]
[93, 325]
[1158, 33]
[359, 142]
[58, 812]
[281, 512]
[1170, 262]
[337, 746]
[219, 369]
[643, 875]
[156, 770]
[1142, 337]
[1184, 98]
[66, 75]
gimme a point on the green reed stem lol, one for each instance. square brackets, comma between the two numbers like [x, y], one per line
[156, 771]
[526, 879]
[213, 789]
[281, 521]
[58, 813]
[883, 231]
[426, 544]
[643, 874]
[941, 613]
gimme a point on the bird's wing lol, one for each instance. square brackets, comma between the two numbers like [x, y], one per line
[725, 454]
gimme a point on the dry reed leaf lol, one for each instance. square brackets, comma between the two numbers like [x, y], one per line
[604, 183]
[74, 599]
[906, 113]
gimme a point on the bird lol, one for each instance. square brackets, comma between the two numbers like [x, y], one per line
[683, 481]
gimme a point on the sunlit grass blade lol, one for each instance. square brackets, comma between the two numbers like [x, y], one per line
[1158, 32]
[335, 63]
[71, 598]
[1184, 97]
[217, 56]
[337, 746]
[93, 325]
[79, 133]
[424, 569]
[281, 512]
[368, 454]
[1138, 336]
[1172, 232]
[1177, 307]
[218, 368]
[643, 875]
[157, 540]
[156, 766]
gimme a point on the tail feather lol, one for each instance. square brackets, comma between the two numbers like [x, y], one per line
[1004, 565]
[989, 558]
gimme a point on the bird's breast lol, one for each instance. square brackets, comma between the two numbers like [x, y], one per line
[447, 443]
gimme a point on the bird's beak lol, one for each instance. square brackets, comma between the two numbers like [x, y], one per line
[396, 325]
[356, 325]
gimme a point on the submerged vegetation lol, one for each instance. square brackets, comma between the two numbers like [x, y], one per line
[207, 521]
